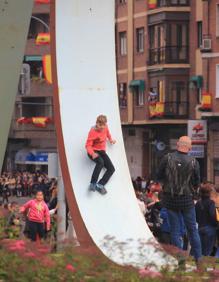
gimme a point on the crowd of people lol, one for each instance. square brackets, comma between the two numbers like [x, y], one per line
[23, 184]
[179, 209]
[149, 195]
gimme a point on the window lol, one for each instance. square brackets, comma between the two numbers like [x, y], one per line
[199, 34]
[123, 43]
[139, 96]
[217, 81]
[177, 99]
[36, 66]
[122, 95]
[217, 20]
[140, 39]
[36, 106]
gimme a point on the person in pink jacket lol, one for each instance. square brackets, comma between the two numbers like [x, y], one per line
[38, 216]
[96, 149]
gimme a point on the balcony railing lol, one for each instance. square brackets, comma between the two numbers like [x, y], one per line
[176, 109]
[172, 3]
[169, 55]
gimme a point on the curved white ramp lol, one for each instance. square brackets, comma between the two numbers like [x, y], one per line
[86, 72]
[14, 22]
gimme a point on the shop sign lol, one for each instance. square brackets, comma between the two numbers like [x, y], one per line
[197, 131]
[197, 151]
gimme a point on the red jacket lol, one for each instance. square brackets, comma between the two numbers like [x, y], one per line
[96, 140]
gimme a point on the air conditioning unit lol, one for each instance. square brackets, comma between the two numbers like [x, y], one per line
[206, 44]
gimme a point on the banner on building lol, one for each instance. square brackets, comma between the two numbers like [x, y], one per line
[42, 1]
[152, 4]
[41, 121]
[47, 69]
[36, 121]
[206, 103]
[156, 109]
[197, 131]
[43, 39]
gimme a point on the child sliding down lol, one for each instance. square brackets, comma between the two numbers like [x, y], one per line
[96, 149]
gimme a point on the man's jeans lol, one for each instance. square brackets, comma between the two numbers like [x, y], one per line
[189, 218]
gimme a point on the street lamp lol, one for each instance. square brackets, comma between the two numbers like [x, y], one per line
[41, 21]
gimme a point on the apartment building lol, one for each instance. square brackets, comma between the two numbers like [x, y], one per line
[205, 69]
[32, 135]
[153, 70]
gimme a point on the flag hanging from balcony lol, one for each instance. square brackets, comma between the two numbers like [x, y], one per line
[206, 101]
[23, 120]
[152, 4]
[42, 1]
[43, 39]
[156, 109]
[41, 121]
[47, 69]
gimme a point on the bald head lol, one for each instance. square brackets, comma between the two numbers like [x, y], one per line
[184, 144]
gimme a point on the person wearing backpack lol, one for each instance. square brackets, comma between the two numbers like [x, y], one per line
[179, 175]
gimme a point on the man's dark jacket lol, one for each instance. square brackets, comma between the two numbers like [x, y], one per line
[180, 175]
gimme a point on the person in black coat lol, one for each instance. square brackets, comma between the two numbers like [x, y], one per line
[206, 219]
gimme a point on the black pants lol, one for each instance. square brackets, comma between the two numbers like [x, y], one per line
[36, 228]
[103, 161]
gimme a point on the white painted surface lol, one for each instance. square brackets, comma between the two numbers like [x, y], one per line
[14, 22]
[87, 87]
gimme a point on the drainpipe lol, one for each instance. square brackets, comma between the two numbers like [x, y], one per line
[130, 54]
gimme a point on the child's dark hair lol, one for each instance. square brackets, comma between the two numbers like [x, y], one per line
[206, 189]
[39, 191]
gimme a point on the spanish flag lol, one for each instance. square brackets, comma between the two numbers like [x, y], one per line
[47, 68]
[23, 120]
[206, 103]
[41, 121]
[152, 4]
[42, 1]
[43, 39]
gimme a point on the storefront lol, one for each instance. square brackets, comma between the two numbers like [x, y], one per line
[32, 160]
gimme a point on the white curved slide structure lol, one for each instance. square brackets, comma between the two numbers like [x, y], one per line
[86, 86]
[14, 22]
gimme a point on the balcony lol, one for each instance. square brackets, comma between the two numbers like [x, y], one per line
[29, 131]
[172, 3]
[169, 55]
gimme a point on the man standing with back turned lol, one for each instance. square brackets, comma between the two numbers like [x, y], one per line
[180, 175]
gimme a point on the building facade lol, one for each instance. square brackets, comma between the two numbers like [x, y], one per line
[153, 73]
[32, 135]
[205, 67]
[168, 73]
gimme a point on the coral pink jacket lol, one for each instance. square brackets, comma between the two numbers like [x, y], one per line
[96, 140]
[37, 212]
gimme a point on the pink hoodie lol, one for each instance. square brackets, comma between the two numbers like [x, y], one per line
[37, 212]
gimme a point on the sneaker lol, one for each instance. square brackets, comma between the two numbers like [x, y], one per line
[101, 189]
[92, 187]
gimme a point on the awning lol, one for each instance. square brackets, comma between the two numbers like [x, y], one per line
[138, 83]
[32, 58]
[34, 157]
[198, 80]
